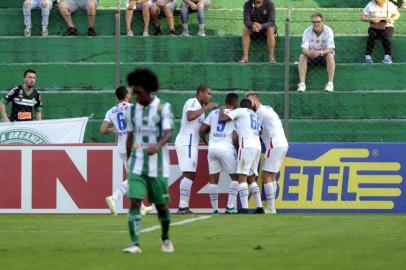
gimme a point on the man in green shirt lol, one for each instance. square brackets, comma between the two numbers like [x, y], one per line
[149, 129]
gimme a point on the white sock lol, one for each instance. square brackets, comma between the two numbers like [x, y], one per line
[256, 194]
[185, 188]
[270, 195]
[243, 189]
[121, 191]
[275, 188]
[232, 194]
[214, 196]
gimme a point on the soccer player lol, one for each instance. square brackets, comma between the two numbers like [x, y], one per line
[221, 153]
[276, 147]
[45, 6]
[117, 117]
[187, 142]
[149, 129]
[25, 100]
[248, 152]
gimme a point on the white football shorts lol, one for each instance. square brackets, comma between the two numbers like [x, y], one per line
[248, 161]
[222, 159]
[74, 5]
[273, 159]
[187, 157]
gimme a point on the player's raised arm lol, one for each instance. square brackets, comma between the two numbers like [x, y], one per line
[192, 115]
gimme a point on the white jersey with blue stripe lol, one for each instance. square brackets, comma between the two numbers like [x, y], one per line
[117, 116]
[189, 130]
[221, 133]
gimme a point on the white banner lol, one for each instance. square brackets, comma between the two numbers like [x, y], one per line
[70, 130]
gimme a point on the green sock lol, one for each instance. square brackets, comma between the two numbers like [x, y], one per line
[165, 219]
[134, 223]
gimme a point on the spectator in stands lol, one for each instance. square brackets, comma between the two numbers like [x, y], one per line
[166, 7]
[45, 6]
[143, 5]
[25, 100]
[67, 7]
[189, 6]
[381, 16]
[317, 49]
[259, 21]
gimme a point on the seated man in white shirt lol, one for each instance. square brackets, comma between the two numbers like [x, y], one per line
[317, 49]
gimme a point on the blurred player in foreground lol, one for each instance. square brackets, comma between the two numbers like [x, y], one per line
[149, 129]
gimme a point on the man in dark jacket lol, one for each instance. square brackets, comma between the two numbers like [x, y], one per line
[259, 21]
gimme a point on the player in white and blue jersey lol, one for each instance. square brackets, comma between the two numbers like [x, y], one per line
[116, 117]
[221, 153]
[187, 142]
[249, 150]
[276, 147]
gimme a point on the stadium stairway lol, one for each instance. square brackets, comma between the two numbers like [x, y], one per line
[76, 74]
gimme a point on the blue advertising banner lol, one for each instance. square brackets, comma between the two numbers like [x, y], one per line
[343, 177]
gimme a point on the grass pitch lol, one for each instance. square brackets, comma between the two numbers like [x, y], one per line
[283, 241]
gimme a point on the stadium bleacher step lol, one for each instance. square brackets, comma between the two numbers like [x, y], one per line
[221, 76]
[349, 49]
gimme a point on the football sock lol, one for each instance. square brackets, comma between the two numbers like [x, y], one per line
[214, 196]
[256, 194]
[275, 188]
[165, 219]
[121, 191]
[134, 223]
[232, 194]
[243, 189]
[185, 188]
[270, 195]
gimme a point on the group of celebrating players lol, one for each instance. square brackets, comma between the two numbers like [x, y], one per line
[235, 133]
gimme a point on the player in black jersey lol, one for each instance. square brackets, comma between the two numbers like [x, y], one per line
[25, 100]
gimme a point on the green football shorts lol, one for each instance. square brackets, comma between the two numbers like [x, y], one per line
[157, 188]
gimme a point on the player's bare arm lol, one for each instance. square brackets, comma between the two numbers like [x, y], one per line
[192, 115]
[3, 112]
[105, 129]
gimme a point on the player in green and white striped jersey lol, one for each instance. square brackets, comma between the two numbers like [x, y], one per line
[149, 129]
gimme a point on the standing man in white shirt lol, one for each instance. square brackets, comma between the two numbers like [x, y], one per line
[187, 142]
[317, 49]
[116, 116]
[276, 147]
[221, 154]
[249, 150]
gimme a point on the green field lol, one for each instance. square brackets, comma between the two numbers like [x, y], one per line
[283, 241]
